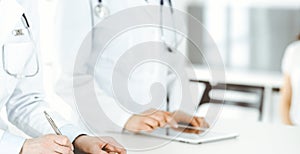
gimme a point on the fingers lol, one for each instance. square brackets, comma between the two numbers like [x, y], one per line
[62, 149]
[62, 145]
[194, 122]
[111, 148]
[48, 144]
[107, 145]
[63, 141]
[101, 152]
[201, 122]
[188, 119]
[160, 117]
[164, 118]
[113, 142]
[151, 122]
[171, 121]
[187, 130]
[197, 122]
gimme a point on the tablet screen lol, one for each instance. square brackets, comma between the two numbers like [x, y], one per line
[178, 132]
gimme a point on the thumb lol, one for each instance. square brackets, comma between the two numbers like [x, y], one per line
[172, 122]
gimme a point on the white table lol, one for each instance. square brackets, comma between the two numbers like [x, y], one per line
[255, 138]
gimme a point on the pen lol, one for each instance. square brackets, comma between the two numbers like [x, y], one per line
[57, 131]
[52, 123]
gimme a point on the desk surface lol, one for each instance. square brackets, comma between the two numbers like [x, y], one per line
[255, 138]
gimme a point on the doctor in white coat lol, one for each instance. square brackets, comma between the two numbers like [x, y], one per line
[22, 95]
[75, 19]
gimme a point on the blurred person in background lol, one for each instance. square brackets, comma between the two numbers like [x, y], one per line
[73, 25]
[290, 91]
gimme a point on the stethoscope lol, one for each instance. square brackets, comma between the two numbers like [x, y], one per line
[102, 11]
[17, 33]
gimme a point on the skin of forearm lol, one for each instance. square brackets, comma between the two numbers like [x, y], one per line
[285, 102]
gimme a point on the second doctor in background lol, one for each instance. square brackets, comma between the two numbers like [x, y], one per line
[22, 94]
[75, 19]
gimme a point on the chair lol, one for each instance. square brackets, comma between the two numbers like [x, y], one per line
[244, 96]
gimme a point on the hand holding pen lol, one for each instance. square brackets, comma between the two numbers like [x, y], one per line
[90, 144]
[50, 144]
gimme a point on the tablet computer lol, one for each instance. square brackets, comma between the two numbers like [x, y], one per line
[188, 134]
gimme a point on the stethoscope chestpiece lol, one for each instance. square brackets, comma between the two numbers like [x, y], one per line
[101, 10]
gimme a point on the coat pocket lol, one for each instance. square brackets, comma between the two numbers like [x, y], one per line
[18, 59]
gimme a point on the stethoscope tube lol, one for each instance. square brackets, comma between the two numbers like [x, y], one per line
[102, 11]
[26, 21]
[21, 75]
[102, 7]
[162, 28]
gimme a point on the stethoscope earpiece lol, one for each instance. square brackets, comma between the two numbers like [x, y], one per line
[101, 10]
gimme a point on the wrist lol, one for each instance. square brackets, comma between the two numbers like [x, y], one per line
[21, 151]
[24, 145]
[76, 141]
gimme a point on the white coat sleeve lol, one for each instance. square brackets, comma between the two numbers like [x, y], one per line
[10, 13]
[183, 95]
[100, 111]
[10, 143]
[287, 61]
[174, 92]
[113, 110]
[26, 105]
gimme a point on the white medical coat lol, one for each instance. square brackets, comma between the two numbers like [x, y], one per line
[74, 22]
[23, 98]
